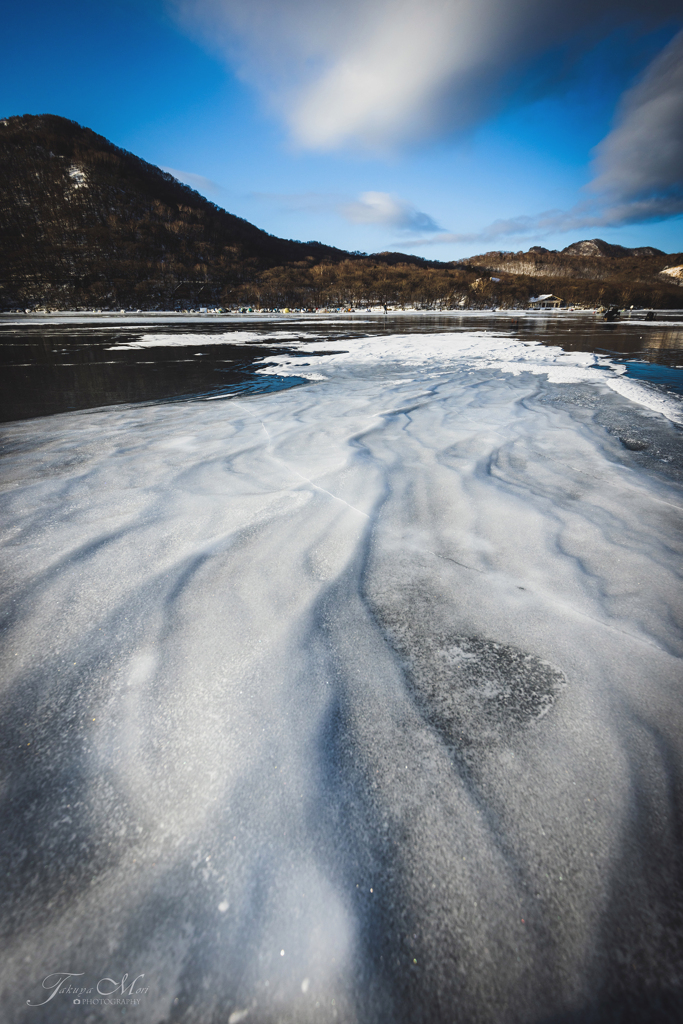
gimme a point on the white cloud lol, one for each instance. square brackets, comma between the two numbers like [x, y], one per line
[381, 208]
[382, 72]
[389, 211]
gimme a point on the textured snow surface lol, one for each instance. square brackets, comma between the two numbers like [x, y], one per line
[359, 702]
[476, 350]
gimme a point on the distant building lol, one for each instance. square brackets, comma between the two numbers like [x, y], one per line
[546, 302]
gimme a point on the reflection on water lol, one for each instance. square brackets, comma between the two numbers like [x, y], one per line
[663, 341]
[47, 370]
[52, 366]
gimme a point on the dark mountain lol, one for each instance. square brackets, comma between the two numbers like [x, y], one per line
[86, 224]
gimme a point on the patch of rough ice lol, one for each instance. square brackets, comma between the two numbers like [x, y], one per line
[197, 338]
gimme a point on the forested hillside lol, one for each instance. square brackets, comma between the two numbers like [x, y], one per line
[86, 224]
[590, 272]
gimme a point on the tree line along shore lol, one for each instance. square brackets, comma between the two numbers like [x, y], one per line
[347, 284]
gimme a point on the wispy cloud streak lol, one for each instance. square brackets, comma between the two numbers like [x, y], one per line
[384, 72]
[640, 162]
[638, 165]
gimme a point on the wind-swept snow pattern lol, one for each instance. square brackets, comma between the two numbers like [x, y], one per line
[356, 702]
[474, 350]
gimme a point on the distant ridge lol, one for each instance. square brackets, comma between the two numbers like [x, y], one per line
[591, 248]
[598, 247]
[86, 224]
[592, 269]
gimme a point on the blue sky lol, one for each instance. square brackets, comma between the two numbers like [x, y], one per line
[443, 128]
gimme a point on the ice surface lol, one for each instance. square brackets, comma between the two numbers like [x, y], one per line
[483, 350]
[359, 702]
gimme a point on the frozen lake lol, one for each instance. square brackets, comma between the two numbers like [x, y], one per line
[347, 686]
[60, 362]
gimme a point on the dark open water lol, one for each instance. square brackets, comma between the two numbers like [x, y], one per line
[52, 366]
